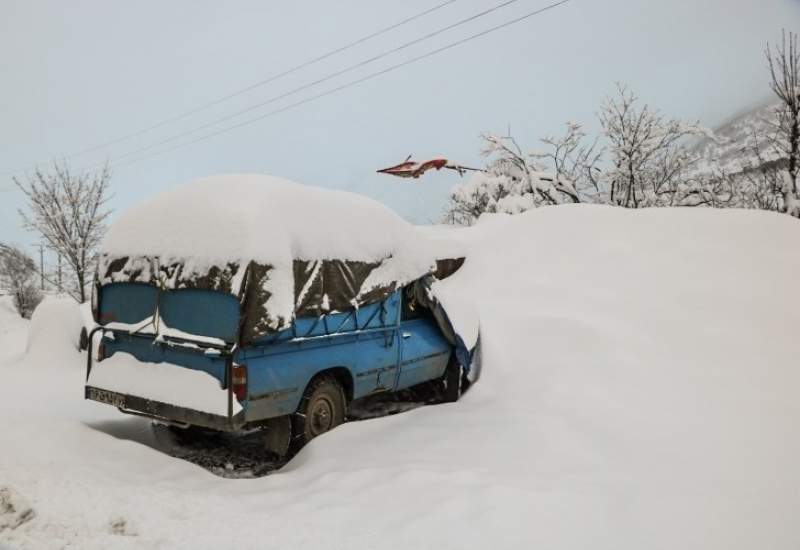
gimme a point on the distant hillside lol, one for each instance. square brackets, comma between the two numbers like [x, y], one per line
[734, 139]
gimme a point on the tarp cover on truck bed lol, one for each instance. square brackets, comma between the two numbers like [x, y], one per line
[284, 250]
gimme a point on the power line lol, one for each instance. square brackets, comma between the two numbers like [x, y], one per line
[330, 76]
[346, 85]
[251, 87]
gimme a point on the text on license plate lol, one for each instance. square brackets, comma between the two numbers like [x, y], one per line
[104, 396]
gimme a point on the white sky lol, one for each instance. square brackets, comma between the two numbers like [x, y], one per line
[75, 74]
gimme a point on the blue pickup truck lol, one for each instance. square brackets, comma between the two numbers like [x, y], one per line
[295, 383]
[247, 302]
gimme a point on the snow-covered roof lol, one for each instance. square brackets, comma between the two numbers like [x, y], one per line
[257, 217]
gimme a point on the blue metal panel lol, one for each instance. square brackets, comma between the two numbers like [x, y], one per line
[201, 312]
[277, 375]
[195, 311]
[364, 342]
[127, 302]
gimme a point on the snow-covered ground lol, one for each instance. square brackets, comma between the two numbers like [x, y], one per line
[639, 390]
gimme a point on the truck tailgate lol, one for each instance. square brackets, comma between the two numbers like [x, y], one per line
[162, 382]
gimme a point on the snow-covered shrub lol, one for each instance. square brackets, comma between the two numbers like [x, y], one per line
[26, 299]
[18, 277]
[514, 181]
[641, 158]
[487, 193]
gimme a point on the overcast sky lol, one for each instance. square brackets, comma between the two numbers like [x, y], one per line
[79, 73]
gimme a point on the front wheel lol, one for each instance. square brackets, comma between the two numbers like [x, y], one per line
[452, 382]
[322, 408]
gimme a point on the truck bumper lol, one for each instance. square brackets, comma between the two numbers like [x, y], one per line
[164, 412]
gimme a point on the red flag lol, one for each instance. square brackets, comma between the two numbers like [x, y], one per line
[411, 169]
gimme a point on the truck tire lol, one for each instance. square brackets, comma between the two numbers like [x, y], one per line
[322, 408]
[83, 340]
[452, 382]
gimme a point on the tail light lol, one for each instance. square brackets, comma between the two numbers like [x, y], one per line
[101, 350]
[239, 381]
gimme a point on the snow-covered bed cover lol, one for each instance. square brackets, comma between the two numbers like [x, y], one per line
[284, 249]
[164, 382]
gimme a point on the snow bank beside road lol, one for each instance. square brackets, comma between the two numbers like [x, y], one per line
[13, 330]
[639, 390]
[55, 327]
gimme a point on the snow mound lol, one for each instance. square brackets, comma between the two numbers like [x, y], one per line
[256, 217]
[55, 329]
[639, 390]
[639, 383]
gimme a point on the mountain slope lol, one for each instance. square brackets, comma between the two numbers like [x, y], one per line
[735, 139]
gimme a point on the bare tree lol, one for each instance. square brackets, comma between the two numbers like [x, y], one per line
[18, 276]
[68, 210]
[760, 180]
[574, 164]
[649, 160]
[784, 68]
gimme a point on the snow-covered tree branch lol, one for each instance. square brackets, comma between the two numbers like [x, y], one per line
[648, 157]
[515, 181]
[574, 164]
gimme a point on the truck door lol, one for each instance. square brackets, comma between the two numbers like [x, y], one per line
[424, 351]
[378, 347]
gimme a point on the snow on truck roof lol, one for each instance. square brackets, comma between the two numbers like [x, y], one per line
[257, 217]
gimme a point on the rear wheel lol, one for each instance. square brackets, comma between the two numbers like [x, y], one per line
[322, 408]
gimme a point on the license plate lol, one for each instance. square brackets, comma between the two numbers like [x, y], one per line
[115, 399]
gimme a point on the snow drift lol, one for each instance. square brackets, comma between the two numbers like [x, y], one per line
[55, 326]
[639, 390]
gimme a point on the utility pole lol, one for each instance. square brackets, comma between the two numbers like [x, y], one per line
[60, 287]
[41, 264]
